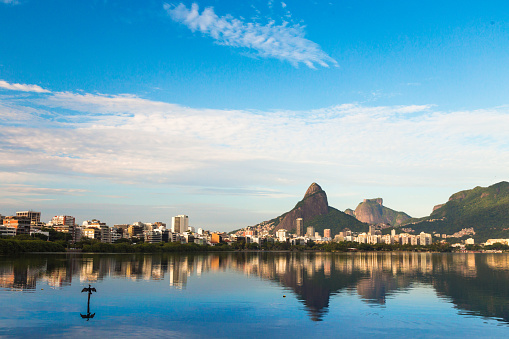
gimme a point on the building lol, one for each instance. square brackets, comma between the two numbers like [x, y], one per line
[20, 223]
[7, 231]
[326, 233]
[93, 223]
[123, 228]
[63, 220]
[299, 227]
[469, 241]
[153, 237]
[487, 243]
[63, 223]
[159, 225]
[135, 231]
[310, 232]
[425, 239]
[35, 217]
[91, 233]
[216, 238]
[179, 224]
[281, 234]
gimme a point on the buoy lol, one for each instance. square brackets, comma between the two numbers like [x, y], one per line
[284, 296]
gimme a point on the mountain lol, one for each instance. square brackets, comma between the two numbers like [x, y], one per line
[312, 205]
[486, 209]
[372, 211]
[316, 212]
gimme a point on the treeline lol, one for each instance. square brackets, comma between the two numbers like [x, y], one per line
[15, 246]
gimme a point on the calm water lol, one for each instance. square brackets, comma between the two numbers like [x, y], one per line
[256, 295]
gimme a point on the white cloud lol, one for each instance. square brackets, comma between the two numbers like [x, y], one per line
[128, 139]
[28, 190]
[22, 87]
[284, 42]
[85, 141]
[10, 2]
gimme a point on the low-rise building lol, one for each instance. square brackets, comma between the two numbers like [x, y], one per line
[20, 223]
[153, 237]
[6, 231]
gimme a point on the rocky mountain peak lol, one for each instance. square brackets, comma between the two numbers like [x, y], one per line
[314, 188]
[313, 204]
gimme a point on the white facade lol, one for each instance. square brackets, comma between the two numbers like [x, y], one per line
[281, 234]
[179, 224]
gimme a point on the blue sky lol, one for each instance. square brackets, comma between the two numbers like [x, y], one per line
[227, 110]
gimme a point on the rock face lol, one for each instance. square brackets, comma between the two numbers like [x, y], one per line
[372, 211]
[313, 204]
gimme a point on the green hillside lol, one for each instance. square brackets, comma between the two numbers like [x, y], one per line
[336, 221]
[486, 209]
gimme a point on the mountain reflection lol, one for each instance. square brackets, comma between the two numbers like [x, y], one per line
[474, 283]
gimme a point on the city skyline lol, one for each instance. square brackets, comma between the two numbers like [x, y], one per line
[227, 111]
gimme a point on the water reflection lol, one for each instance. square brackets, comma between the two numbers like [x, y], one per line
[475, 283]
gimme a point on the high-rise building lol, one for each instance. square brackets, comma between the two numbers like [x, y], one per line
[35, 217]
[179, 224]
[310, 231]
[326, 233]
[299, 227]
[372, 230]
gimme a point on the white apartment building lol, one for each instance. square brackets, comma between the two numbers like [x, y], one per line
[179, 224]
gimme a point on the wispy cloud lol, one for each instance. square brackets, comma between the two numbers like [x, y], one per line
[129, 139]
[22, 87]
[9, 2]
[27, 190]
[284, 42]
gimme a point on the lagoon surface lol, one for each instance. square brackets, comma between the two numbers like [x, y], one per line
[234, 295]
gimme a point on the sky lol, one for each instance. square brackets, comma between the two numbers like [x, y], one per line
[226, 111]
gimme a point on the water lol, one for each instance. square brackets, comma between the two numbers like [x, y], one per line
[232, 295]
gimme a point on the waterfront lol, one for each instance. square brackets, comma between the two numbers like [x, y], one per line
[221, 295]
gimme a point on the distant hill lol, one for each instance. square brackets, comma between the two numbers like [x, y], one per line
[372, 211]
[486, 209]
[316, 212]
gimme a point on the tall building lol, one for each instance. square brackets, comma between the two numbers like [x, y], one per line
[372, 230]
[326, 233]
[179, 224]
[310, 232]
[299, 227]
[35, 217]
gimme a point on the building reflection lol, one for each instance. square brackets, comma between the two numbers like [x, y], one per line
[473, 282]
